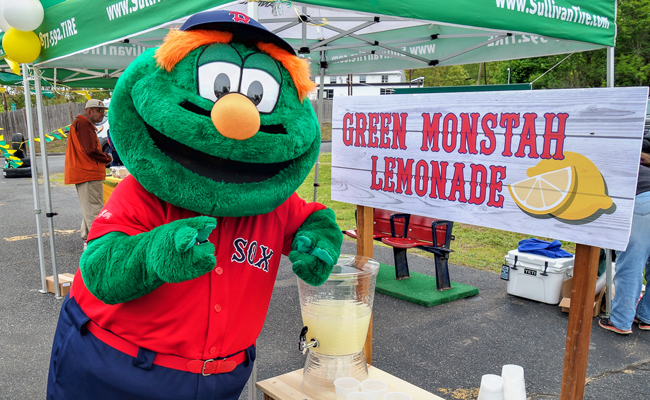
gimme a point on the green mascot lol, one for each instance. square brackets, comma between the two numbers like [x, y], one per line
[174, 286]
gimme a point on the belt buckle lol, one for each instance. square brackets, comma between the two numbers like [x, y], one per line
[204, 365]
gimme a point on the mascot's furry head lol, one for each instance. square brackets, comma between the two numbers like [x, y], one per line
[214, 120]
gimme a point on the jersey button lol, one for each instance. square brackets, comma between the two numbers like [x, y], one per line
[218, 270]
[217, 308]
[213, 350]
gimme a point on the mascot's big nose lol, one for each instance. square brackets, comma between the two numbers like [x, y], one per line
[235, 116]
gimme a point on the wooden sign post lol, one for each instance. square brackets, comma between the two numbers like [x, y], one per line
[576, 352]
[365, 248]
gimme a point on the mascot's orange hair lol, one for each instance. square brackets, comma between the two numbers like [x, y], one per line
[178, 44]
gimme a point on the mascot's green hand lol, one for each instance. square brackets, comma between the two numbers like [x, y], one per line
[303, 245]
[184, 248]
[316, 247]
[117, 268]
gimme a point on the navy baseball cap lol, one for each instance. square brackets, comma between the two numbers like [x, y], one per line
[243, 27]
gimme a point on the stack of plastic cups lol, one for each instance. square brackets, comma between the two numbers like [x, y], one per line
[491, 388]
[514, 386]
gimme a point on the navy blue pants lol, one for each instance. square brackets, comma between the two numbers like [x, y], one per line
[83, 367]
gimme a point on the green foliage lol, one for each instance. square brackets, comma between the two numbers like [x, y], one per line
[16, 94]
[458, 75]
[580, 70]
[633, 43]
[589, 69]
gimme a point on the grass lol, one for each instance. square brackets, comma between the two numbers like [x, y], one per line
[56, 179]
[475, 246]
[326, 131]
[55, 146]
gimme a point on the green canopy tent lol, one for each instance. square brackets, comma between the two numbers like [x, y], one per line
[91, 45]
[85, 43]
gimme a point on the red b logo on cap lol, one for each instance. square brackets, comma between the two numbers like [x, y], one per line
[239, 17]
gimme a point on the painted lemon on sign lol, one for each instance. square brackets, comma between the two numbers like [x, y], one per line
[544, 193]
[569, 189]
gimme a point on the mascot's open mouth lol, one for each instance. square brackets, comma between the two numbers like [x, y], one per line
[215, 168]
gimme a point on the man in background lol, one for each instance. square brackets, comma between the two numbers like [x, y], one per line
[85, 163]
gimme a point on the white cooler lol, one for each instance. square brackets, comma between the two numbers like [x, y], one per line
[536, 277]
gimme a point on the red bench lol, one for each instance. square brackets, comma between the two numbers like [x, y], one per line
[381, 225]
[405, 231]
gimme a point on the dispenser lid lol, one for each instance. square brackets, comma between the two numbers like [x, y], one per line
[354, 266]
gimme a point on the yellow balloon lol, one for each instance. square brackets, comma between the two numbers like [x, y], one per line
[21, 46]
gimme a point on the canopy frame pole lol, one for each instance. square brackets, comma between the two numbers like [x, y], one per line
[341, 34]
[400, 42]
[46, 179]
[467, 50]
[583, 291]
[32, 159]
[253, 12]
[94, 74]
[372, 42]
[285, 27]
[610, 67]
[608, 253]
[321, 93]
[609, 281]
[303, 27]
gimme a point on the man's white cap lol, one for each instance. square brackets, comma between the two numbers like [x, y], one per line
[94, 103]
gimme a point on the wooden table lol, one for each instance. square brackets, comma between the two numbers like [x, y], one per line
[288, 386]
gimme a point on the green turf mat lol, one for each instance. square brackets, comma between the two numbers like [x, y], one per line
[419, 288]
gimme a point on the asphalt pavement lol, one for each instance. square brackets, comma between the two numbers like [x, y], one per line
[443, 349]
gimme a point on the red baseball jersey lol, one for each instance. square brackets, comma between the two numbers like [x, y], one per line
[216, 314]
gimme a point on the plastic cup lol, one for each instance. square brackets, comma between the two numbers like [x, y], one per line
[491, 388]
[514, 385]
[377, 388]
[360, 396]
[345, 386]
[397, 396]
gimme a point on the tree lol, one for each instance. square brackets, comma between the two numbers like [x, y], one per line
[633, 43]
[578, 70]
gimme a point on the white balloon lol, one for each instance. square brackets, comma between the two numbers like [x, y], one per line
[24, 15]
[4, 25]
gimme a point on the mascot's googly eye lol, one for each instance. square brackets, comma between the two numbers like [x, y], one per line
[217, 79]
[261, 88]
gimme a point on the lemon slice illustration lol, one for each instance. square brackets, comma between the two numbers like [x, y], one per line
[545, 193]
[589, 194]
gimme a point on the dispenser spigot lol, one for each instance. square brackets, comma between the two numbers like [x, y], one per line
[302, 343]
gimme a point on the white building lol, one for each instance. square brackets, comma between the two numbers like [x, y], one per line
[373, 83]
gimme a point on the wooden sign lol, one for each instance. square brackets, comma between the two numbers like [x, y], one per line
[561, 164]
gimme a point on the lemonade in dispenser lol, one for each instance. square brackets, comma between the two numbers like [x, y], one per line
[336, 317]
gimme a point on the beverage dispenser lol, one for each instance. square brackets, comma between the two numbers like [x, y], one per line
[336, 317]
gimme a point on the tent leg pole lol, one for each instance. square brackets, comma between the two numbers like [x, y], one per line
[608, 262]
[610, 67]
[576, 353]
[32, 159]
[609, 276]
[320, 116]
[253, 12]
[46, 179]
